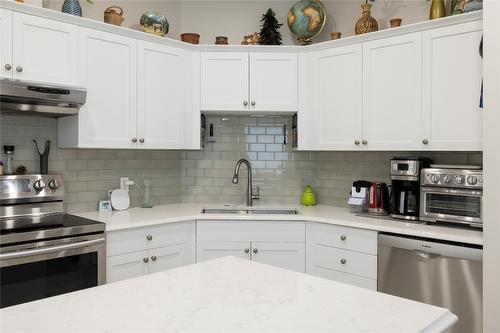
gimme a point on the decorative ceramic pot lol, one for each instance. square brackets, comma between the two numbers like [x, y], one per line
[395, 22]
[438, 9]
[336, 35]
[114, 15]
[72, 7]
[366, 23]
[221, 40]
[154, 23]
[190, 37]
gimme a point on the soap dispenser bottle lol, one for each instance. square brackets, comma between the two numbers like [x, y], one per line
[308, 197]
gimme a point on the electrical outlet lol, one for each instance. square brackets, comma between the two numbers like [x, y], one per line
[125, 182]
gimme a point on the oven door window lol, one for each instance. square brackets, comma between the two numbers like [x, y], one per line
[36, 280]
[457, 205]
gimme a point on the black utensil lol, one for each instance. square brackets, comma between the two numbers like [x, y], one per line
[44, 157]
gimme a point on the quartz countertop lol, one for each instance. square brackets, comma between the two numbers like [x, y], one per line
[141, 217]
[226, 295]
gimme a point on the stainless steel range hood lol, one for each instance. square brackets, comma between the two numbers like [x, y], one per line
[23, 97]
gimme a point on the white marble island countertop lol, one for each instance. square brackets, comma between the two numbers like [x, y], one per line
[226, 295]
[142, 217]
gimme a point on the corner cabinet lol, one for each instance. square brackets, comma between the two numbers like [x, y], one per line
[38, 49]
[452, 78]
[138, 96]
[277, 243]
[242, 81]
[140, 251]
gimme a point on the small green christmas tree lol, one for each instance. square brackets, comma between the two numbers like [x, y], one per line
[269, 34]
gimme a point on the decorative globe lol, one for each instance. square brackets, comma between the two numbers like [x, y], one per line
[154, 23]
[306, 19]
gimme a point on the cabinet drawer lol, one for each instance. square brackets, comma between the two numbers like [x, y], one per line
[353, 239]
[131, 240]
[346, 261]
[346, 278]
[248, 231]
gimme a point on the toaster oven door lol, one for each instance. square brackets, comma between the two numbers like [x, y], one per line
[451, 205]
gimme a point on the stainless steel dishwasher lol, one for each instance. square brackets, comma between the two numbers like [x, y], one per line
[444, 274]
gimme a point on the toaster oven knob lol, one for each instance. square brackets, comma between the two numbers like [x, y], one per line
[446, 179]
[459, 180]
[53, 184]
[472, 180]
[434, 178]
[39, 185]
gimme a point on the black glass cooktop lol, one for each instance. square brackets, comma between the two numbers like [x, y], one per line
[26, 229]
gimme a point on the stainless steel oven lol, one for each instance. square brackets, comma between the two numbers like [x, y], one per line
[43, 251]
[452, 196]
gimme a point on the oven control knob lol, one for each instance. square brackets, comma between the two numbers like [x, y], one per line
[53, 184]
[446, 179]
[434, 178]
[39, 185]
[459, 180]
[472, 180]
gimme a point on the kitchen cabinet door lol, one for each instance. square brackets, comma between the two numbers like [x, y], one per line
[452, 72]
[334, 111]
[6, 65]
[212, 250]
[44, 50]
[107, 68]
[273, 82]
[392, 93]
[224, 81]
[126, 266]
[169, 257]
[160, 96]
[285, 255]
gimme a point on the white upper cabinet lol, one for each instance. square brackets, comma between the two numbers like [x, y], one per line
[273, 82]
[334, 112]
[6, 68]
[392, 98]
[160, 96]
[224, 81]
[44, 50]
[107, 68]
[451, 87]
[242, 81]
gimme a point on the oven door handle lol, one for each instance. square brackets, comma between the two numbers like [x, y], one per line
[439, 190]
[50, 249]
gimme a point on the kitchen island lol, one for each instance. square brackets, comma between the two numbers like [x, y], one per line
[225, 295]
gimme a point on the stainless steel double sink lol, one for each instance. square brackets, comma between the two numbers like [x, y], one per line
[249, 210]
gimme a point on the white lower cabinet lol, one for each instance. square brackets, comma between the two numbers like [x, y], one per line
[139, 251]
[277, 243]
[343, 254]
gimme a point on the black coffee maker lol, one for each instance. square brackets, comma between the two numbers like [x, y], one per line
[405, 195]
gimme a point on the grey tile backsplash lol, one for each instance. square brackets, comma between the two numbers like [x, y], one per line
[205, 176]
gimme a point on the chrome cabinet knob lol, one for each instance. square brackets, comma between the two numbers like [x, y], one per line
[53, 184]
[141, 140]
[255, 250]
[146, 260]
[245, 103]
[253, 103]
[19, 69]
[425, 141]
[134, 140]
[364, 142]
[343, 261]
[8, 67]
[154, 258]
[247, 250]
[39, 185]
[357, 142]
[343, 238]
[149, 237]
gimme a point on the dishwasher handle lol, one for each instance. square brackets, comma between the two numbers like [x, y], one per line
[423, 245]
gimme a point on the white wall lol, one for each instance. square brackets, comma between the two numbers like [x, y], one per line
[236, 18]
[491, 69]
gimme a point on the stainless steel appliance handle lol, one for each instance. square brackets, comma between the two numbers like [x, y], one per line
[50, 249]
[429, 189]
[425, 254]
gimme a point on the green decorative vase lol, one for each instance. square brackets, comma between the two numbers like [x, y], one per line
[308, 197]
